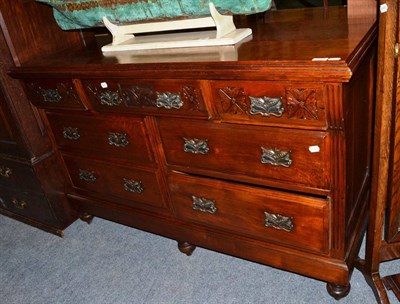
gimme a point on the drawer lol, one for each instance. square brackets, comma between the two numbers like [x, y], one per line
[19, 176]
[162, 97]
[124, 185]
[53, 94]
[288, 219]
[29, 205]
[267, 154]
[103, 137]
[271, 103]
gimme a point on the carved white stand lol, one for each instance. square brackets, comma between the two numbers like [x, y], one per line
[225, 34]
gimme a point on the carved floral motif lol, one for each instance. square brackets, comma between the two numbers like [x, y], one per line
[302, 103]
[233, 101]
[140, 96]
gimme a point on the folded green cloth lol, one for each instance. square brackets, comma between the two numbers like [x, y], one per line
[75, 14]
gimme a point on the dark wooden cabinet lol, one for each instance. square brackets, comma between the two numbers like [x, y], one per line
[260, 150]
[31, 180]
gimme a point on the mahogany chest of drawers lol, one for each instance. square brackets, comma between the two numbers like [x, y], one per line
[259, 150]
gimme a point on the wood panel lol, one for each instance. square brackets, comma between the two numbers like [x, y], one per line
[40, 36]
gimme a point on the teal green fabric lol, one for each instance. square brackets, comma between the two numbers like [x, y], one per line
[75, 14]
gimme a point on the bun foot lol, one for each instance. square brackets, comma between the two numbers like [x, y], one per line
[88, 218]
[338, 291]
[186, 248]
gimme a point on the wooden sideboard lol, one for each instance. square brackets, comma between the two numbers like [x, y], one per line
[260, 150]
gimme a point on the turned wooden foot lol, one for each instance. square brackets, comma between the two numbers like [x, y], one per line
[88, 218]
[186, 248]
[338, 291]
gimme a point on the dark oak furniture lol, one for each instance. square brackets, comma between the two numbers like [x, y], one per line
[385, 197]
[31, 181]
[259, 150]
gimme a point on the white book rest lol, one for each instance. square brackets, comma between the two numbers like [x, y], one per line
[226, 33]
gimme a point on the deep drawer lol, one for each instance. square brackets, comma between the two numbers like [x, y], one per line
[124, 185]
[163, 97]
[271, 103]
[292, 156]
[19, 176]
[294, 220]
[53, 94]
[29, 205]
[103, 137]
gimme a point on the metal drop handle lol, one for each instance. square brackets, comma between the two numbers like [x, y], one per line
[279, 222]
[51, 95]
[169, 100]
[266, 106]
[276, 157]
[131, 185]
[118, 139]
[5, 171]
[87, 176]
[71, 133]
[203, 204]
[110, 98]
[20, 204]
[196, 146]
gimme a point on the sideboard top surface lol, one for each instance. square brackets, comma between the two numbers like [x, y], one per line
[302, 42]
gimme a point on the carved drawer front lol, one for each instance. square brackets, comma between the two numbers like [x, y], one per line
[115, 137]
[271, 103]
[26, 204]
[18, 176]
[262, 154]
[163, 97]
[279, 217]
[124, 185]
[53, 94]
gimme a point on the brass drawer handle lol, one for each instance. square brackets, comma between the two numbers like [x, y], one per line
[196, 146]
[5, 171]
[110, 98]
[71, 133]
[169, 100]
[131, 185]
[203, 204]
[266, 106]
[279, 222]
[51, 95]
[87, 176]
[276, 157]
[118, 139]
[20, 204]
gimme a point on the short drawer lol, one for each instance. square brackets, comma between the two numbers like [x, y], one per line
[29, 205]
[18, 175]
[53, 94]
[288, 219]
[162, 97]
[103, 137]
[271, 103]
[125, 185]
[268, 154]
